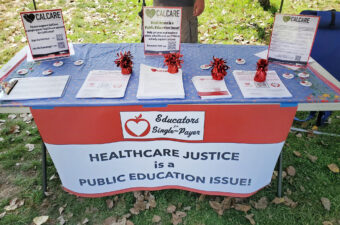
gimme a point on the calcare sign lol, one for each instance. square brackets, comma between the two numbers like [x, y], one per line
[45, 33]
[187, 125]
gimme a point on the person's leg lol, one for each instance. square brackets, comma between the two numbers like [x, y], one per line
[189, 30]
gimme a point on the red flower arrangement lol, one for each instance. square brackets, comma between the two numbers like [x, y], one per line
[261, 70]
[219, 68]
[124, 61]
[173, 62]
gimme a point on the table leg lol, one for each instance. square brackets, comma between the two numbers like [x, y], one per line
[44, 173]
[281, 6]
[279, 184]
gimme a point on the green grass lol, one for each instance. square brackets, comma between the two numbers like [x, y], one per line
[116, 21]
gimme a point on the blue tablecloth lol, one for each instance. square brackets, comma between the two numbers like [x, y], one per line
[102, 56]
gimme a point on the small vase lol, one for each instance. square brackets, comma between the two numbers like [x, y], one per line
[172, 69]
[260, 76]
[126, 71]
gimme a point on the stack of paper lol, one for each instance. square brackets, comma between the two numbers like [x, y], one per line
[155, 83]
[271, 88]
[208, 88]
[104, 84]
[37, 88]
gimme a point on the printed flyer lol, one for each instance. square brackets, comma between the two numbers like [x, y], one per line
[45, 33]
[162, 29]
[292, 39]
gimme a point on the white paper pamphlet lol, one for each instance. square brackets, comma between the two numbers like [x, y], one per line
[37, 88]
[292, 39]
[104, 84]
[208, 88]
[156, 83]
[271, 88]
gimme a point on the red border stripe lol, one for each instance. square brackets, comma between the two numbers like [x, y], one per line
[98, 195]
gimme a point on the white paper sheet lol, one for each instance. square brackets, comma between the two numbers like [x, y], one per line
[271, 88]
[37, 88]
[208, 88]
[155, 83]
[104, 84]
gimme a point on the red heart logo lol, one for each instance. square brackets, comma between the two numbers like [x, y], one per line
[138, 127]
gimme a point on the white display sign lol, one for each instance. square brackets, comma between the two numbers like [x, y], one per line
[292, 39]
[186, 125]
[45, 33]
[210, 168]
[162, 29]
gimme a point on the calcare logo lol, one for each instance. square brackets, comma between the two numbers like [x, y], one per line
[29, 17]
[150, 12]
[286, 18]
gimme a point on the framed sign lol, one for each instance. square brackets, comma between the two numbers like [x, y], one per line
[292, 39]
[162, 30]
[45, 32]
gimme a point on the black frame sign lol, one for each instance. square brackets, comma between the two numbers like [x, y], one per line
[45, 32]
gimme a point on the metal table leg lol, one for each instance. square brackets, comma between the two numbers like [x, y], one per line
[44, 173]
[281, 6]
[279, 184]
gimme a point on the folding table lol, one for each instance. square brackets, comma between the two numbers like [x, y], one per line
[233, 151]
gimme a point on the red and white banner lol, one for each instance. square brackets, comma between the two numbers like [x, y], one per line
[97, 152]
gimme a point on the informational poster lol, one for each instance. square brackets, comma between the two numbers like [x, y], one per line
[292, 39]
[162, 29]
[201, 148]
[272, 87]
[45, 33]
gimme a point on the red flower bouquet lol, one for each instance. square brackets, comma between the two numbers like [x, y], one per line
[261, 70]
[219, 68]
[124, 61]
[173, 61]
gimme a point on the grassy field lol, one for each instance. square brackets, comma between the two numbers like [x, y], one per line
[306, 187]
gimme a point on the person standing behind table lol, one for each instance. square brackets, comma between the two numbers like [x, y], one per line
[190, 10]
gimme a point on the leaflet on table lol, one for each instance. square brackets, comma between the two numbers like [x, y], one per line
[292, 39]
[208, 88]
[271, 88]
[37, 88]
[162, 29]
[45, 33]
[155, 83]
[104, 84]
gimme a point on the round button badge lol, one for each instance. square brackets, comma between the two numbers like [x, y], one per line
[303, 75]
[78, 62]
[205, 66]
[240, 61]
[58, 63]
[22, 71]
[288, 75]
[47, 72]
[306, 83]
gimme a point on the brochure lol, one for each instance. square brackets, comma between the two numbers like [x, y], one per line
[104, 84]
[208, 88]
[271, 88]
[156, 83]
